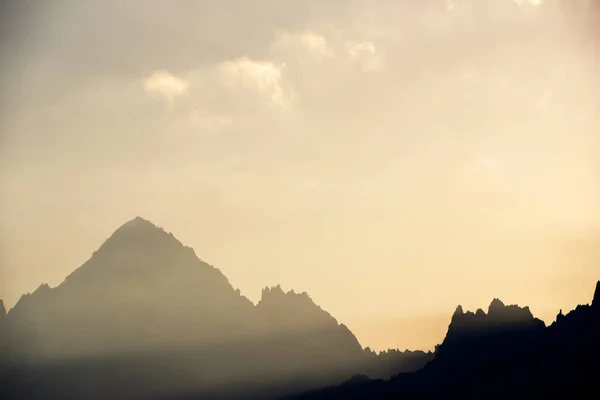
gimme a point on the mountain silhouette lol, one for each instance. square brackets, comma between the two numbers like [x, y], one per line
[4, 337]
[144, 317]
[505, 353]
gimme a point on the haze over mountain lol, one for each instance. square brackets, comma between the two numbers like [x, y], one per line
[388, 159]
[145, 318]
[146, 304]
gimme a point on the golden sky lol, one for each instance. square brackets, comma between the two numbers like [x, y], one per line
[392, 158]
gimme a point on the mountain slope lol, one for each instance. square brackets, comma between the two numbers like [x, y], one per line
[145, 317]
[504, 354]
[141, 289]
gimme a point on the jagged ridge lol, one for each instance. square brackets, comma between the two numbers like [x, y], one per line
[482, 359]
[145, 295]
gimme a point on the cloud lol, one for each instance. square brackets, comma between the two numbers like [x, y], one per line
[315, 42]
[366, 54]
[309, 40]
[166, 84]
[263, 77]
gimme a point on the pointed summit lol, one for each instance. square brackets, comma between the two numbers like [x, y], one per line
[459, 311]
[496, 306]
[138, 223]
[137, 227]
[137, 248]
[596, 301]
[140, 232]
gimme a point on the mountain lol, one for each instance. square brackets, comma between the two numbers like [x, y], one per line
[473, 338]
[141, 289]
[4, 335]
[505, 353]
[144, 317]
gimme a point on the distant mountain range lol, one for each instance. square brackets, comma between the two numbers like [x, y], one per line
[145, 318]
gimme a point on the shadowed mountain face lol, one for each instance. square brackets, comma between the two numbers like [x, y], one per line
[479, 337]
[141, 290]
[505, 353]
[3, 335]
[144, 317]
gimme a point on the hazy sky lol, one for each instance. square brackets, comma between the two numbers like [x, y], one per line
[391, 158]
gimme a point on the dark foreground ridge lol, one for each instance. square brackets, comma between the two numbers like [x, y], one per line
[145, 318]
[504, 354]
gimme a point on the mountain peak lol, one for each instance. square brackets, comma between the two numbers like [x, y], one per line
[459, 311]
[495, 306]
[138, 225]
[498, 316]
[596, 300]
[139, 222]
[276, 297]
[292, 307]
[139, 232]
[500, 312]
[136, 248]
